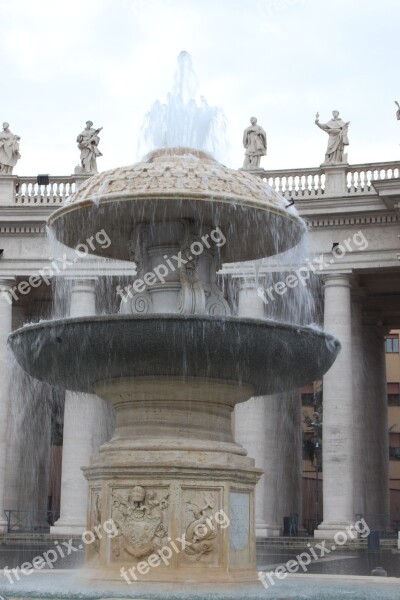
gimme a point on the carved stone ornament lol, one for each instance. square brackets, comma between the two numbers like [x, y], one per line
[200, 177]
[138, 249]
[191, 298]
[140, 516]
[216, 305]
[137, 303]
[202, 531]
[96, 519]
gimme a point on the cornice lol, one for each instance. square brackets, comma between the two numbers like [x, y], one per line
[23, 229]
[324, 221]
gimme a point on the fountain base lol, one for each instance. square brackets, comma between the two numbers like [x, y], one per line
[177, 487]
[172, 470]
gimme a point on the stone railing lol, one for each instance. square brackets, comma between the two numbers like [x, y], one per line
[296, 183]
[360, 177]
[306, 183]
[28, 191]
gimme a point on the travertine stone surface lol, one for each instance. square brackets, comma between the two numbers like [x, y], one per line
[179, 184]
[166, 474]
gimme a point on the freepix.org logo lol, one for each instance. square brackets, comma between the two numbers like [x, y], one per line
[313, 554]
[57, 266]
[172, 263]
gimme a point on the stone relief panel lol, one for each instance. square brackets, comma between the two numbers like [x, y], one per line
[141, 515]
[94, 521]
[202, 532]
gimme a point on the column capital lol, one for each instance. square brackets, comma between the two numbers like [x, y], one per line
[6, 283]
[6, 286]
[343, 279]
[250, 283]
[82, 281]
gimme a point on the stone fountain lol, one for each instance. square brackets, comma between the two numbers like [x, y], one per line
[174, 362]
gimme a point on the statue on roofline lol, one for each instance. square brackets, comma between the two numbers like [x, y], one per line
[88, 142]
[9, 150]
[338, 138]
[255, 142]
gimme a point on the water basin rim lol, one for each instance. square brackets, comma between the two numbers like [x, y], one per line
[171, 317]
[213, 198]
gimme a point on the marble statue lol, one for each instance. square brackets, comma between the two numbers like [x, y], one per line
[337, 131]
[398, 110]
[255, 142]
[88, 142]
[9, 150]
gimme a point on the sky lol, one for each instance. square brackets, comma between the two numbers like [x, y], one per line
[64, 62]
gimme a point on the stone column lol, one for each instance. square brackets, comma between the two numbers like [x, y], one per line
[269, 428]
[79, 415]
[250, 416]
[376, 452]
[282, 459]
[338, 428]
[5, 330]
[14, 442]
[360, 406]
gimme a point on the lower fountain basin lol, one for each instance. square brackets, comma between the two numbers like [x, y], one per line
[75, 353]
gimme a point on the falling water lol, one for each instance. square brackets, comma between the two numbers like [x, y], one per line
[34, 408]
[185, 119]
[299, 304]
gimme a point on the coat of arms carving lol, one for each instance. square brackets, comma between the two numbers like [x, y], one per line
[140, 515]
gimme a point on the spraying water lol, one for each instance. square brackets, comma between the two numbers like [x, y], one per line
[185, 119]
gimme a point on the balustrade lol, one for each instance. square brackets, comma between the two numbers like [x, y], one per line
[290, 183]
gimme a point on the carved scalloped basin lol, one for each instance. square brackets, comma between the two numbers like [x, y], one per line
[173, 184]
[76, 353]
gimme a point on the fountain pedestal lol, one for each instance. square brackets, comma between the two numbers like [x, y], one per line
[174, 482]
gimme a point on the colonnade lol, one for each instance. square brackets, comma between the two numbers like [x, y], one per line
[355, 440]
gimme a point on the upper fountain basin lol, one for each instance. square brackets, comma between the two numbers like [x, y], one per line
[77, 353]
[173, 184]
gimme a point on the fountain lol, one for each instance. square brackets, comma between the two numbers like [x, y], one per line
[174, 363]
